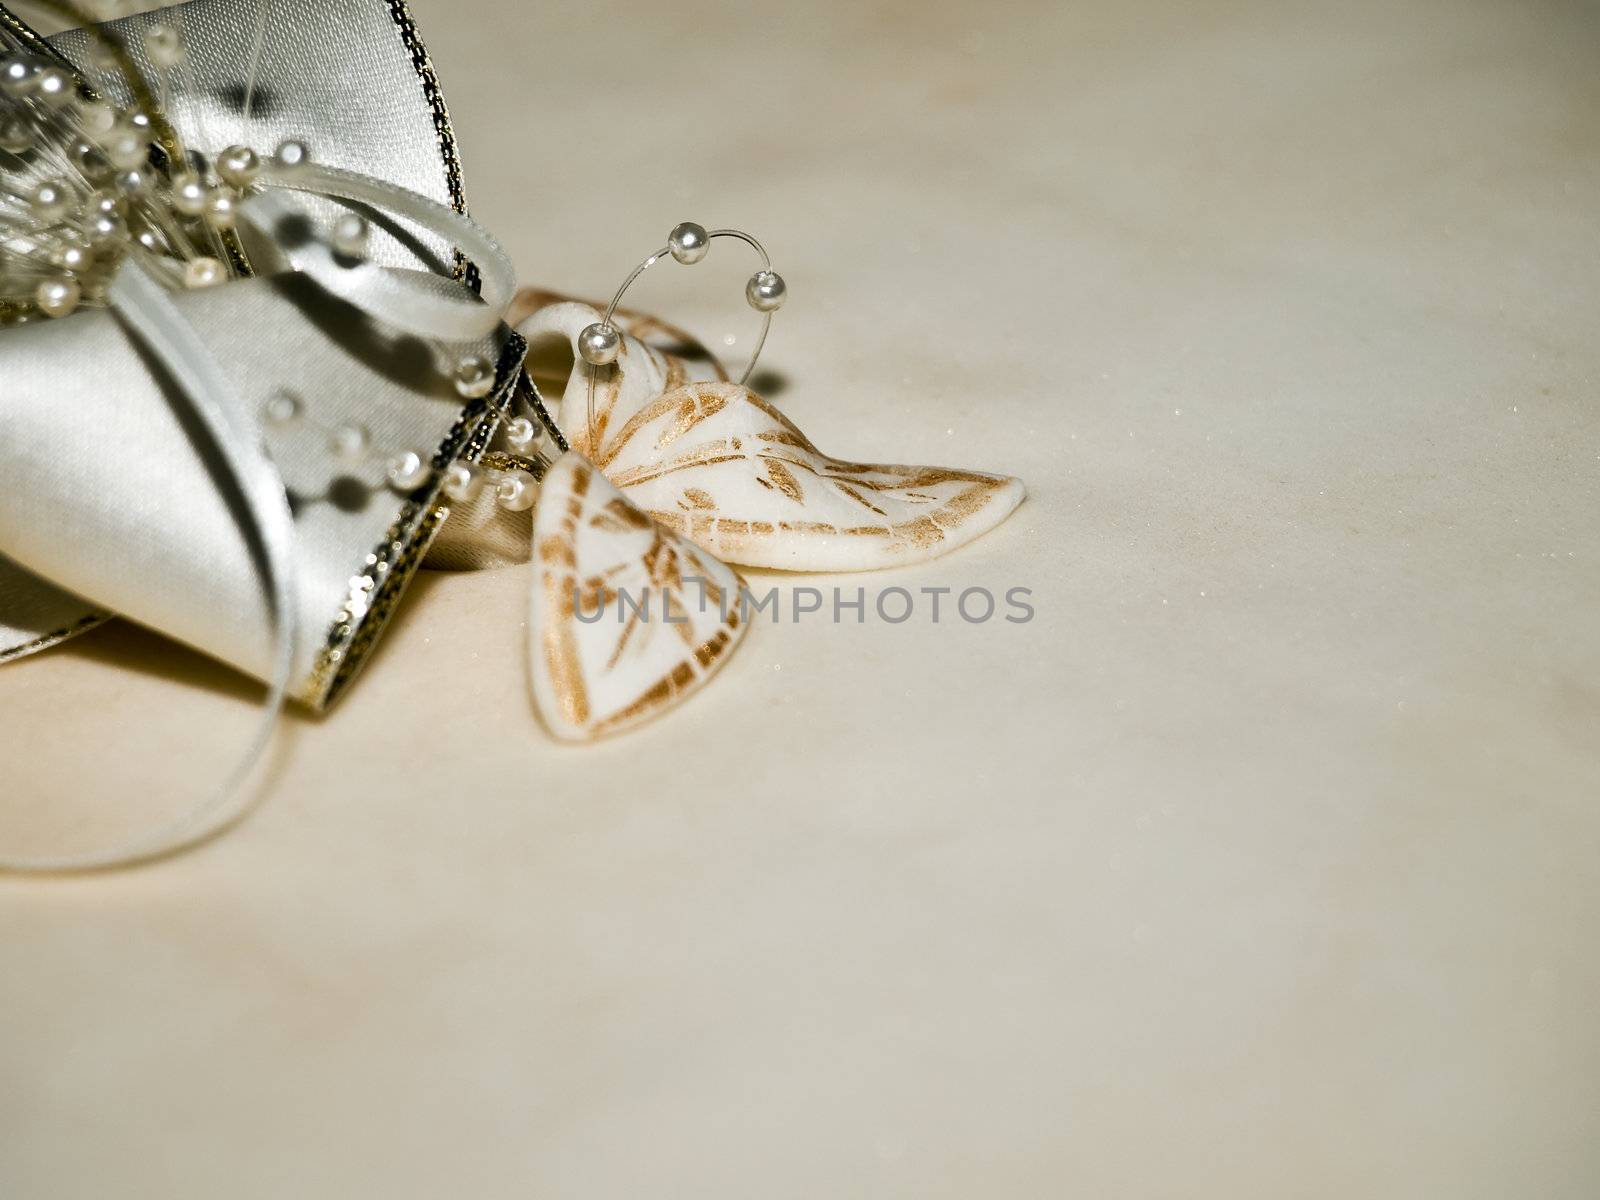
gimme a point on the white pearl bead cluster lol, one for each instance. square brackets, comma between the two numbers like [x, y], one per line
[106, 181]
[515, 490]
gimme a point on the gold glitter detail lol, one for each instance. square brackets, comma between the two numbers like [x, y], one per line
[400, 13]
[783, 479]
[50, 639]
[501, 460]
[378, 583]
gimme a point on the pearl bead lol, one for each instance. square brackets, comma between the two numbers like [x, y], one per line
[222, 209]
[188, 193]
[127, 149]
[97, 117]
[689, 243]
[140, 123]
[282, 411]
[72, 256]
[239, 165]
[151, 241]
[131, 182]
[164, 45]
[516, 491]
[16, 135]
[18, 77]
[463, 481]
[408, 471]
[766, 291]
[58, 297]
[292, 154]
[474, 377]
[350, 442]
[91, 162]
[50, 201]
[599, 345]
[521, 433]
[203, 273]
[54, 87]
[108, 203]
[350, 236]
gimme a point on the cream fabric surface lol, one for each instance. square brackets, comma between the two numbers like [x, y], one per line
[1257, 865]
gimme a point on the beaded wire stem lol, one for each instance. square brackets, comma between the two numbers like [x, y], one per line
[600, 343]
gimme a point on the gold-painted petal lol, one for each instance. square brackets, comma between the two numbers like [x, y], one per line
[627, 619]
[720, 465]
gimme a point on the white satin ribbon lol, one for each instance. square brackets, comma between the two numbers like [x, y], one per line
[266, 522]
[372, 288]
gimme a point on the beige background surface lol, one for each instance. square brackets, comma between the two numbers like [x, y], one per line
[1262, 863]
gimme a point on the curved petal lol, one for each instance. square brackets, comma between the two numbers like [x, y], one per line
[672, 340]
[722, 466]
[627, 619]
[640, 373]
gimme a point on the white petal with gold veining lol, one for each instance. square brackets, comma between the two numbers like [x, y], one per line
[724, 467]
[627, 618]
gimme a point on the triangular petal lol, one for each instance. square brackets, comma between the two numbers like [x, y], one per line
[627, 619]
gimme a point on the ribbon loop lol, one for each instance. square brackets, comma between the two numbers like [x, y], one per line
[371, 287]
